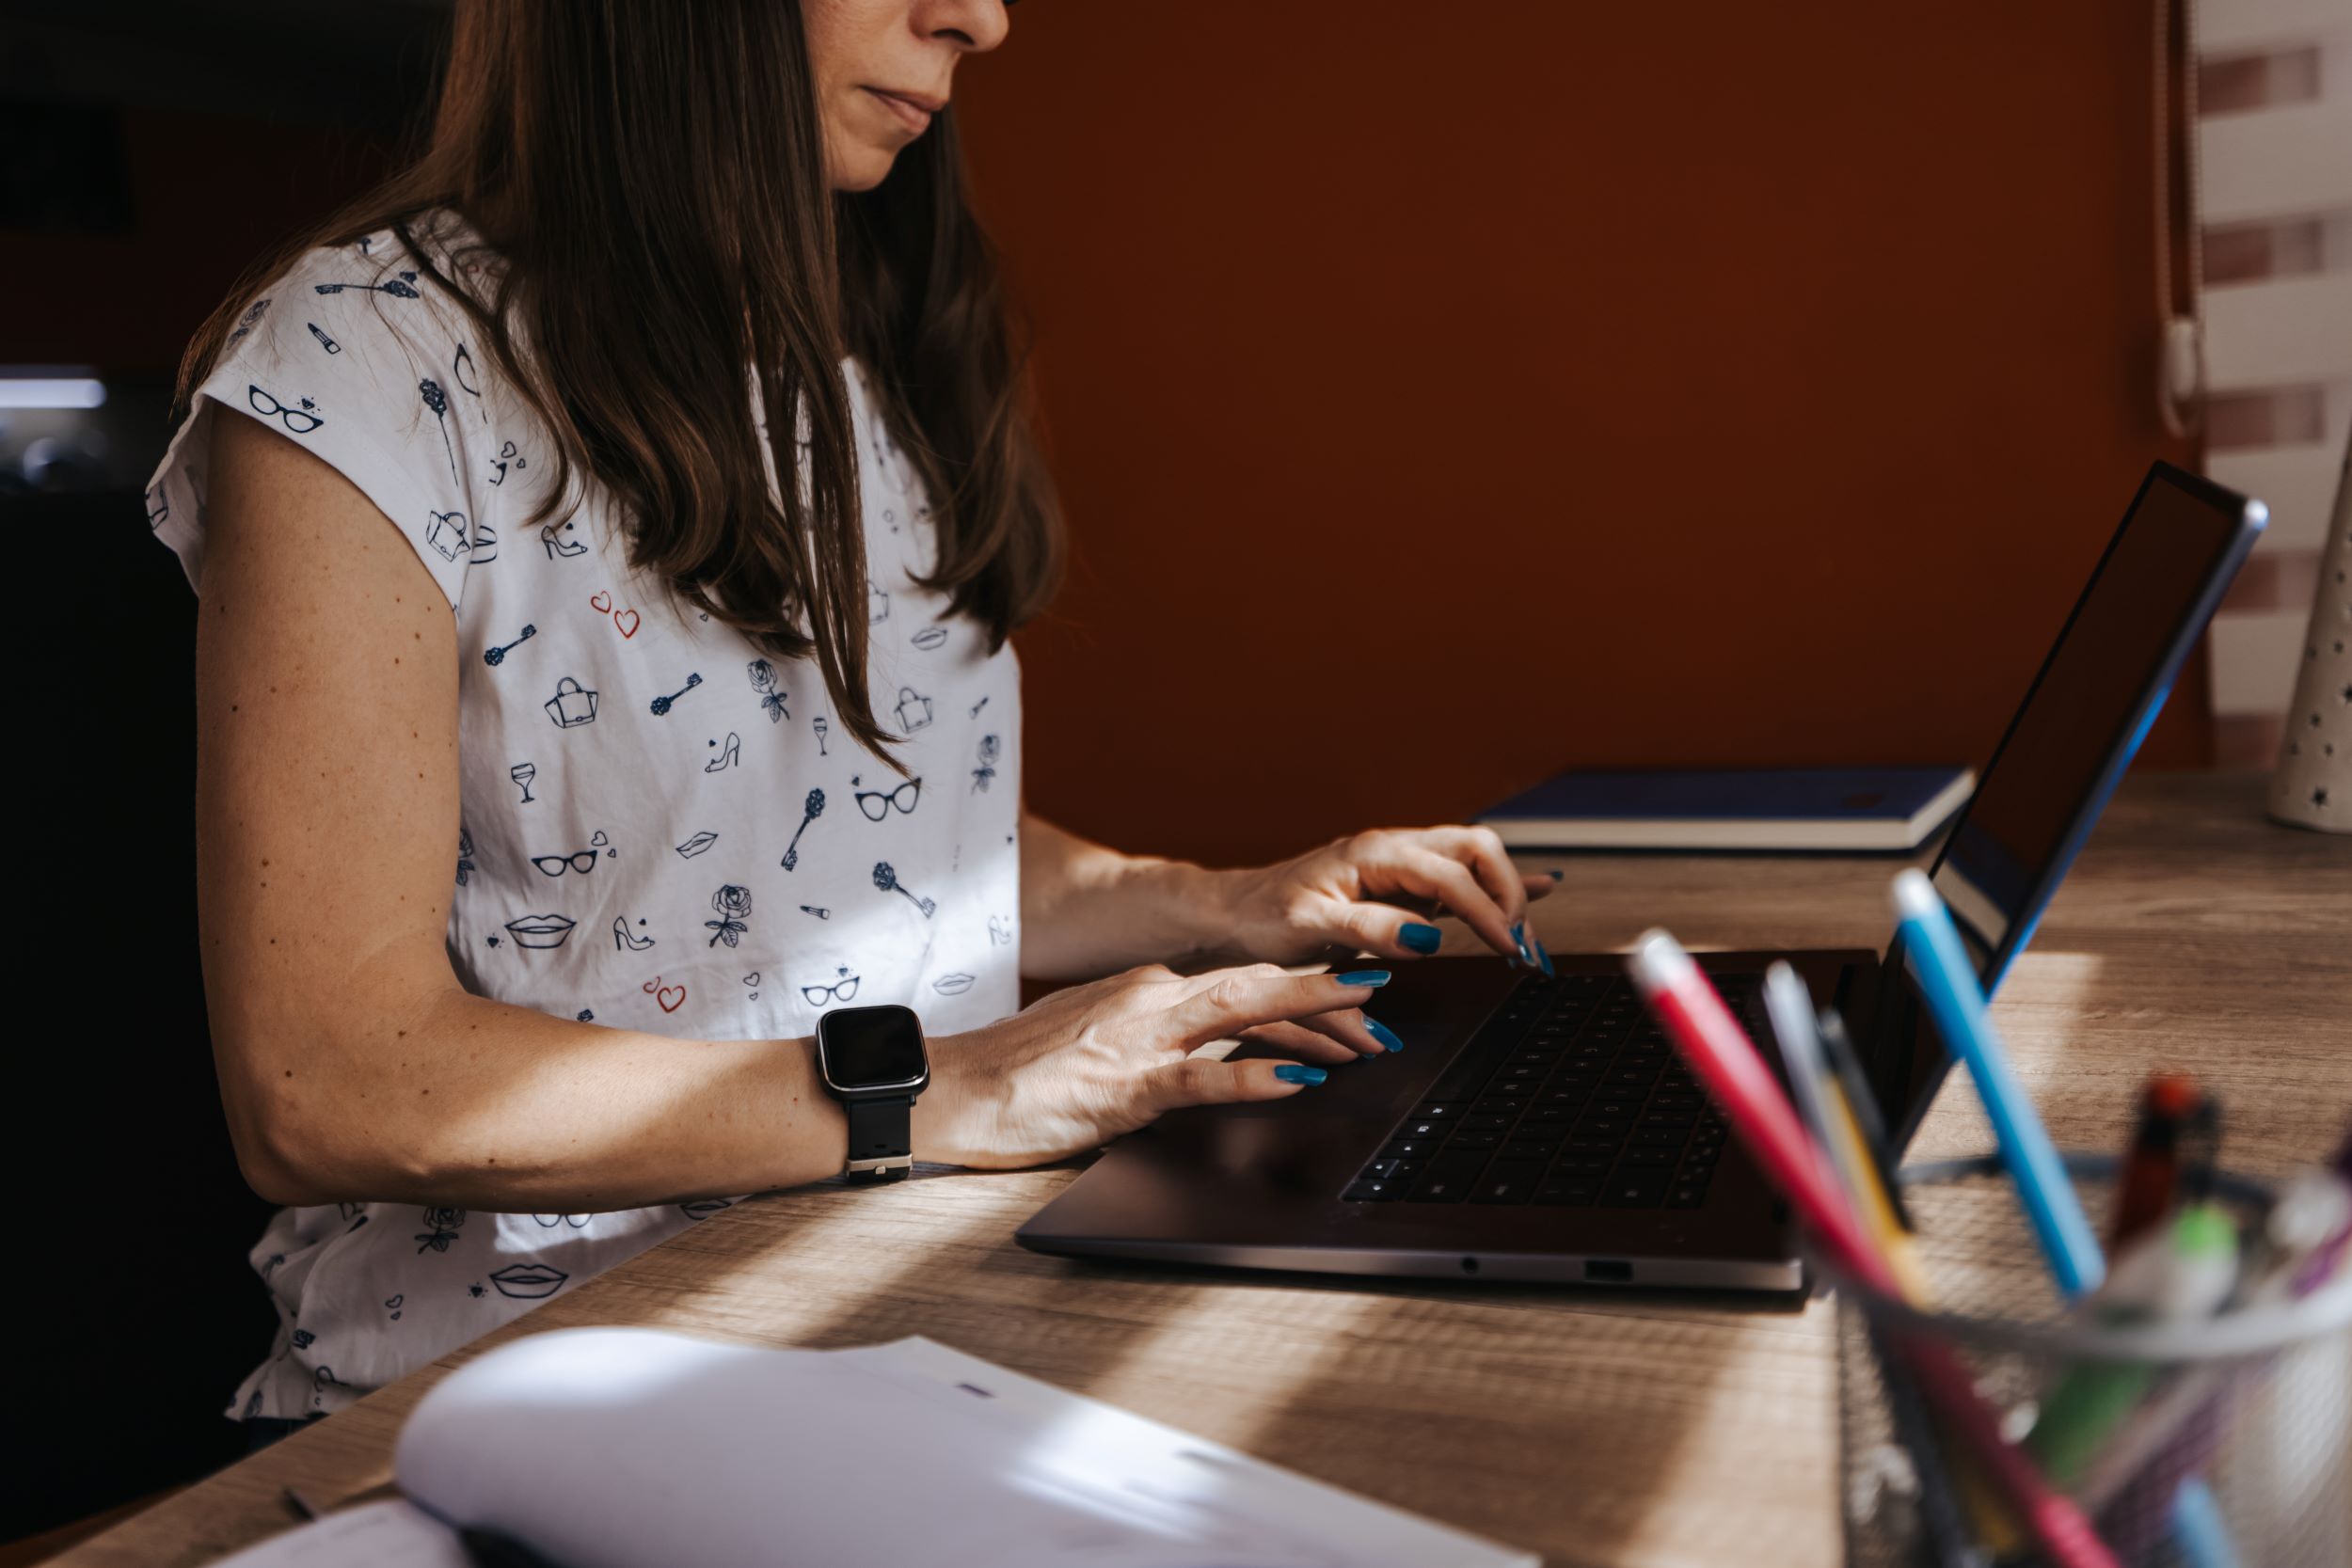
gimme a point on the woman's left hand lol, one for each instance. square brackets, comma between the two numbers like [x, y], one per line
[1334, 896]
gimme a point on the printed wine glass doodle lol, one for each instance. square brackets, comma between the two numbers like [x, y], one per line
[811, 809]
[522, 773]
[733, 905]
[539, 931]
[626, 940]
[507, 456]
[449, 533]
[887, 880]
[330, 344]
[559, 546]
[668, 998]
[403, 286]
[728, 754]
[914, 710]
[663, 704]
[876, 803]
[821, 729]
[696, 844]
[441, 1229]
[298, 420]
[464, 856]
[985, 774]
[572, 706]
[763, 677]
[842, 989]
[496, 656]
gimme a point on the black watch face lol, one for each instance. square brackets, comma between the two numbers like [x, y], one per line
[872, 1048]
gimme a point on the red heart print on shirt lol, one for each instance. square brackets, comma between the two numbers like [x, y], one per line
[671, 997]
[601, 601]
[627, 621]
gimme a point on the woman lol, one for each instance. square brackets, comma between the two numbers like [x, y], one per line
[560, 765]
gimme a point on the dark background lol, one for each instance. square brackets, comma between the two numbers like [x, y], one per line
[1442, 396]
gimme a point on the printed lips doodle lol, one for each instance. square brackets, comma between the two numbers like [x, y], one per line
[540, 930]
[703, 1207]
[528, 1281]
[670, 997]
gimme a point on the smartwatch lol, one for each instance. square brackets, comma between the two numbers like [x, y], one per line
[872, 1060]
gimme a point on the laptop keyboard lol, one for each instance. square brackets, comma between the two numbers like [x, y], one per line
[1570, 1095]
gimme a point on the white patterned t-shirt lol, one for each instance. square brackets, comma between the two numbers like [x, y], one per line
[663, 828]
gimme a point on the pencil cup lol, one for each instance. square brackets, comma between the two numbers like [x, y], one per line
[2226, 1442]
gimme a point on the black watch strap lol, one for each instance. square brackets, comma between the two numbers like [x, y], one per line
[881, 1139]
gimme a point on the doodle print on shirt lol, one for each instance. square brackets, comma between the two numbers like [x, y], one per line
[953, 985]
[624, 939]
[539, 930]
[528, 1281]
[914, 710]
[572, 706]
[733, 905]
[887, 880]
[393, 1302]
[985, 774]
[976, 709]
[663, 704]
[403, 286]
[842, 989]
[486, 544]
[300, 421]
[811, 809]
[999, 930]
[507, 455]
[703, 1207]
[330, 344]
[668, 998]
[752, 979]
[728, 754]
[464, 856]
[819, 914]
[556, 547]
[929, 638]
[522, 773]
[158, 507]
[245, 322]
[819, 727]
[449, 533]
[696, 844]
[461, 370]
[579, 861]
[438, 400]
[496, 656]
[576, 1222]
[763, 675]
[876, 803]
[441, 1229]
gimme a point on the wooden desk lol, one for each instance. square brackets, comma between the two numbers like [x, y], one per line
[1601, 1428]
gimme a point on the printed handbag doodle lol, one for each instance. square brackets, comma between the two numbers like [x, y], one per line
[573, 704]
[914, 710]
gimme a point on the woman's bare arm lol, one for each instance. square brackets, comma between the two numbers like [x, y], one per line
[352, 1065]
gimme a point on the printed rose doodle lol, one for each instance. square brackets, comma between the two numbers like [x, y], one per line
[734, 905]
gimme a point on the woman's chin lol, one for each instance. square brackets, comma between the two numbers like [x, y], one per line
[862, 170]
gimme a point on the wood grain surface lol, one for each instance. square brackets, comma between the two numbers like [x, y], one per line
[1599, 1427]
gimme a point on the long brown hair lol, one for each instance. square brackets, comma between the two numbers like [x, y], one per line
[649, 178]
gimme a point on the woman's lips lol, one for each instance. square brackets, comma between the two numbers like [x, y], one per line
[914, 110]
[528, 1281]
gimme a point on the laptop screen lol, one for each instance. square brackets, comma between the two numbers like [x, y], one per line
[2082, 720]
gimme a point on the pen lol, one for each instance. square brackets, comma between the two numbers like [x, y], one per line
[1949, 985]
[1790, 1006]
[2144, 1192]
[1723, 1058]
[1860, 1099]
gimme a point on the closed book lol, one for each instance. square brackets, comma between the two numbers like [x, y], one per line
[1848, 809]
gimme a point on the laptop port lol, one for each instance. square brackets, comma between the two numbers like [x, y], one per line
[1608, 1271]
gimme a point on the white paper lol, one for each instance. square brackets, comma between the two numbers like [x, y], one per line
[376, 1535]
[618, 1448]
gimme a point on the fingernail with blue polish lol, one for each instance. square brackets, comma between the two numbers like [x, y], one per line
[1556, 874]
[1519, 934]
[1417, 938]
[1363, 978]
[1543, 955]
[1385, 1035]
[1291, 1072]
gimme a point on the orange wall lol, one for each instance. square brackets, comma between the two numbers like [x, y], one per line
[1444, 395]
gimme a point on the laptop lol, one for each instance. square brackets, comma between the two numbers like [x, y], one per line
[1543, 1129]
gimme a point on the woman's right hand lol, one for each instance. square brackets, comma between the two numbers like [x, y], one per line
[1093, 1061]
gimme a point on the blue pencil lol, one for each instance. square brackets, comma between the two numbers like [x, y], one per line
[1949, 984]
